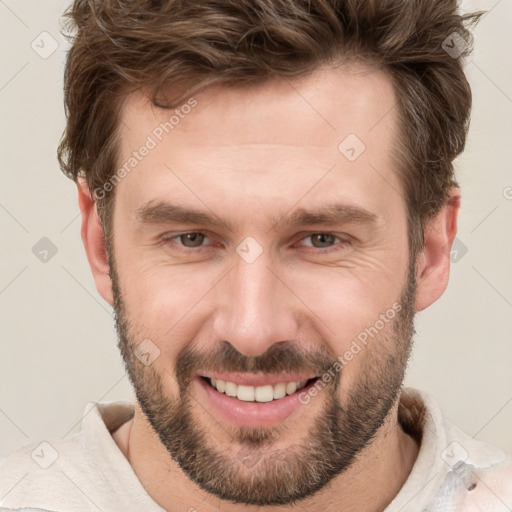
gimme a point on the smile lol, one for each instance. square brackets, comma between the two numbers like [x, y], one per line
[253, 400]
[266, 393]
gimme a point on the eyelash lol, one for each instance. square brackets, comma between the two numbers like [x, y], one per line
[343, 242]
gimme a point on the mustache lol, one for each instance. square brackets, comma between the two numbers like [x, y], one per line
[278, 358]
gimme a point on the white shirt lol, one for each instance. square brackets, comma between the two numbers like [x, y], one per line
[87, 471]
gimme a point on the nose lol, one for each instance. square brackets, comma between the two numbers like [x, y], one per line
[254, 307]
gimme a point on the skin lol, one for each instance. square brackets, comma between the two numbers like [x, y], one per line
[250, 156]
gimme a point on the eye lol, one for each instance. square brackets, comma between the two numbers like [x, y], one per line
[321, 240]
[189, 240]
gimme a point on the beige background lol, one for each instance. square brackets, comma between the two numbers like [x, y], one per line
[58, 341]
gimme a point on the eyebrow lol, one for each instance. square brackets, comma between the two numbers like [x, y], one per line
[329, 214]
[159, 213]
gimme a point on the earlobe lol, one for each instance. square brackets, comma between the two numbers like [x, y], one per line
[94, 242]
[433, 269]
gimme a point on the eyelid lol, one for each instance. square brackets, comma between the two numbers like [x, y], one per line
[173, 236]
[343, 240]
[309, 235]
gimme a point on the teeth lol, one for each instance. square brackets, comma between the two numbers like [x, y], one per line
[220, 385]
[230, 388]
[291, 387]
[263, 393]
[259, 393]
[280, 390]
[245, 393]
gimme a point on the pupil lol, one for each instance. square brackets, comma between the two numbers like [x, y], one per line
[325, 240]
[195, 239]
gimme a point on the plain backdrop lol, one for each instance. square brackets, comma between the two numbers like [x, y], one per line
[58, 343]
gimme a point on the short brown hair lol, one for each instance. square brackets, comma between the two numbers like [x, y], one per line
[121, 46]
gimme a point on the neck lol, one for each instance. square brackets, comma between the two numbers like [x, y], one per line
[368, 485]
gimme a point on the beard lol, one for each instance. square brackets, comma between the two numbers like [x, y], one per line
[248, 468]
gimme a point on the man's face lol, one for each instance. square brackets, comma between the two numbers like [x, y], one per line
[262, 290]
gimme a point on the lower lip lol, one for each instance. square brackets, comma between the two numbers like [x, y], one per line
[251, 414]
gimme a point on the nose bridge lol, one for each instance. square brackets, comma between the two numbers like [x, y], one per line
[254, 309]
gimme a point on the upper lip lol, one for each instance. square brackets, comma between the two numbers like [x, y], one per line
[251, 379]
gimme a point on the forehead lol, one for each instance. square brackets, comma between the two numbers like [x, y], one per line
[331, 131]
[332, 100]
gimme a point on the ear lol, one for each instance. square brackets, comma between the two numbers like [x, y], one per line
[94, 242]
[433, 268]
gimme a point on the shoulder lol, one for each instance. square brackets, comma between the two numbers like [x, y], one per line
[479, 476]
[454, 471]
[492, 485]
[66, 474]
[29, 475]
[467, 488]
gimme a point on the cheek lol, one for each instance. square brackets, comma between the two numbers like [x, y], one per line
[168, 304]
[343, 302]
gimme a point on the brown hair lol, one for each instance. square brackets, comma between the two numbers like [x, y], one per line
[120, 46]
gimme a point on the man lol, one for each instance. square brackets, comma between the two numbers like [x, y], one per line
[267, 198]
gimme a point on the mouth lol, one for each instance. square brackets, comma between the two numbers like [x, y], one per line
[261, 394]
[254, 401]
